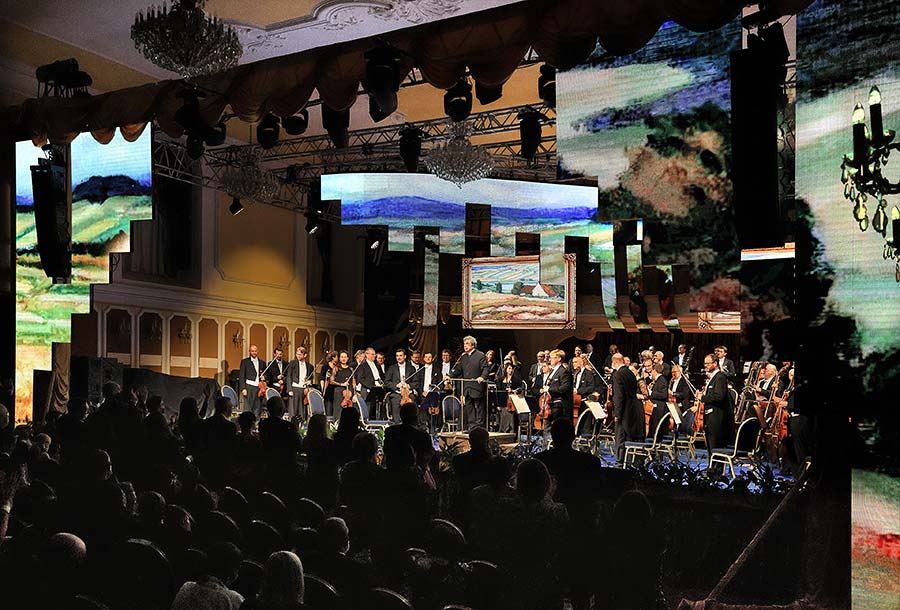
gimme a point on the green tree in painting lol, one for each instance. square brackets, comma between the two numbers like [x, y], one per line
[517, 288]
[479, 285]
[499, 288]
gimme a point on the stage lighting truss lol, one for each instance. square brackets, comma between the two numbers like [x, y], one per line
[298, 161]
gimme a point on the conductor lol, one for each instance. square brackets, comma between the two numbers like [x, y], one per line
[472, 364]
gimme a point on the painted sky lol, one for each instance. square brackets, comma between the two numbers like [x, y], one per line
[90, 158]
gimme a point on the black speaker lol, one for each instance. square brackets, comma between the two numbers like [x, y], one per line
[53, 213]
[755, 93]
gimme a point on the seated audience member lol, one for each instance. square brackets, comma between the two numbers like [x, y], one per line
[280, 443]
[334, 565]
[349, 426]
[470, 468]
[322, 468]
[189, 423]
[578, 474]
[407, 431]
[218, 443]
[282, 584]
[71, 430]
[210, 591]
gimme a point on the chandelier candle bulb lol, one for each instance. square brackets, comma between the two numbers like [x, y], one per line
[860, 143]
[875, 115]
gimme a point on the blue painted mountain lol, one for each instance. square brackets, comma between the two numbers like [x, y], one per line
[98, 189]
[413, 208]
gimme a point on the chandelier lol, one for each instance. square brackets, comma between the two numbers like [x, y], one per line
[456, 160]
[245, 179]
[861, 174]
[185, 40]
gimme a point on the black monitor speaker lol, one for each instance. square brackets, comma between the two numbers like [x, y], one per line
[53, 213]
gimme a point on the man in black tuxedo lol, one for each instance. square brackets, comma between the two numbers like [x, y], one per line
[590, 355]
[683, 359]
[395, 382]
[427, 385]
[607, 362]
[586, 384]
[678, 387]
[723, 364]
[472, 365]
[251, 373]
[767, 384]
[558, 384]
[277, 367]
[659, 396]
[660, 358]
[716, 399]
[369, 380]
[627, 409]
[298, 375]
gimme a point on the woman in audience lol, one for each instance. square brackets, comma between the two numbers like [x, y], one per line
[282, 584]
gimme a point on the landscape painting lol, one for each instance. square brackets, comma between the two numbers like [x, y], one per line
[507, 292]
[111, 186]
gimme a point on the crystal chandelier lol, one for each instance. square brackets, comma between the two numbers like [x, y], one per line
[861, 174]
[245, 179]
[456, 160]
[185, 40]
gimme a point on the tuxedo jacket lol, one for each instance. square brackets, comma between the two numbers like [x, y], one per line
[588, 384]
[659, 391]
[392, 376]
[686, 364]
[559, 386]
[682, 394]
[293, 374]
[248, 372]
[515, 383]
[365, 377]
[728, 369]
[627, 407]
[716, 395]
[276, 368]
[422, 382]
[767, 386]
[472, 366]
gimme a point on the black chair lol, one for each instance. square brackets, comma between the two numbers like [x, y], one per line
[141, 575]
[262, 540]
[319, 594]
[309, 513]
[82, 602]
[233, 503]
[218, 527]
[305, 540]
[456, 607]
[385, 599]
[190, 565]
[445, 540]
[273, 511]
[249, 579]
[482, 590]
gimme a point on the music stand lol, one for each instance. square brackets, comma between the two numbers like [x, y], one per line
[522, 408]
[676, 414]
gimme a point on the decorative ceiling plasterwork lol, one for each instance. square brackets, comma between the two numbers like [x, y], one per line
[347, 20]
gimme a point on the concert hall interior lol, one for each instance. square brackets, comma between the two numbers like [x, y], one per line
[333, 304]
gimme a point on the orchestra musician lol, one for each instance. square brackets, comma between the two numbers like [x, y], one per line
[627, 410]
[798, 424]
[370, 380]
[415, 359]
[379, 360]
[510, 382]
[446, 365]
[493, 366]
[723, 364]
[660, 358]
[765, 386]
[607, 363]
[558, 384]
[340, 380]
[472, 364]
[716, 402]
[299, 377]
[683, 359]
[275, 376]
[681, 395]
[251, 373]
[427, 385]
[329, 368]
[591, 356]
[659, 395]
[577, 354]
[395, 382]
[537, 368]
[586, 385]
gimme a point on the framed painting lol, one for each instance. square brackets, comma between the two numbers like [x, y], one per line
[506, 292]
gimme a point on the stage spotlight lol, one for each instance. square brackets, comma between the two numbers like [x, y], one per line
[411, 147]
[216, 135]
[547, 85]
[487, 94]
[337, 124]
[195, 147]
[296, 124]
[268, 131]
[382, 79]
[458, 101]
[236, 207]
[529, 132]
[376, 112]
[312, 224]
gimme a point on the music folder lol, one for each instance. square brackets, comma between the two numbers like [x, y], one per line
[595, 408]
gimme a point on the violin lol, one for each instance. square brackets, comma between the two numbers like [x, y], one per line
[781, 414]
[262, 387]
[576, 407]
[543, 411]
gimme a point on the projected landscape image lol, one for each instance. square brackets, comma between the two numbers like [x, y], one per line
[110, 188]
[506, 292]
[654, 128]
[860, 293]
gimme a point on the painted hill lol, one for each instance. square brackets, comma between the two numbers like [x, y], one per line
[98, 189]
[413, 208]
